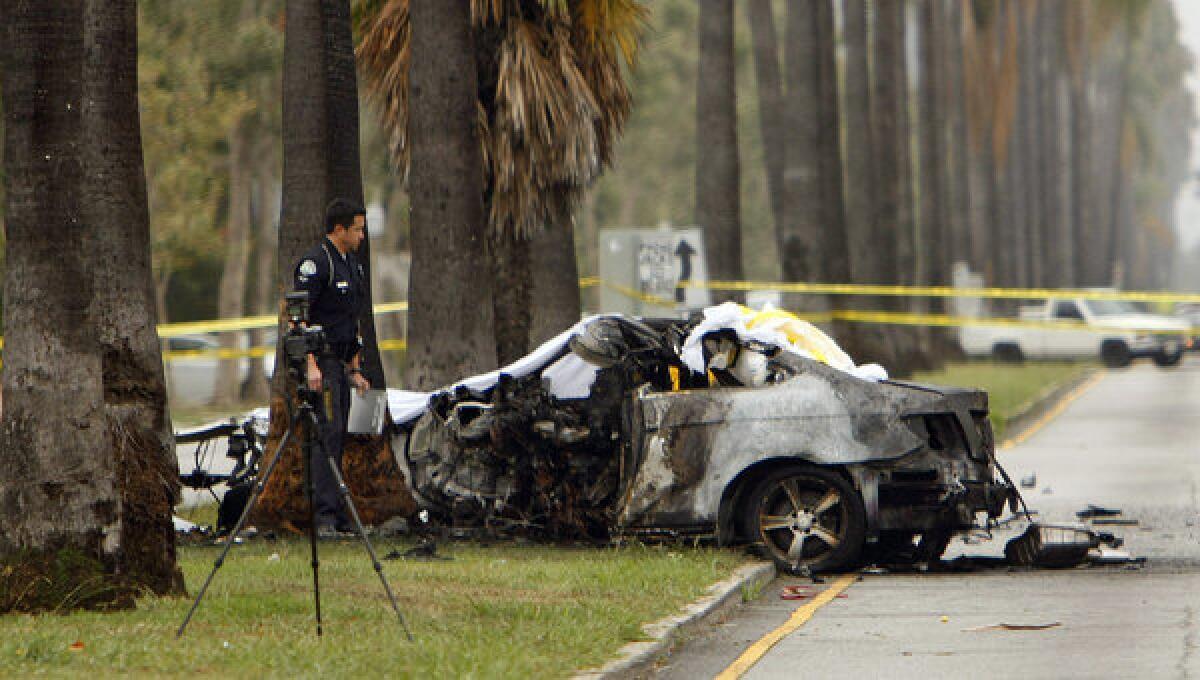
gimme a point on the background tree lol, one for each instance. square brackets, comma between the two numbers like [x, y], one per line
[718, 193]
[552, 100]
[321, 162]
[451, 334]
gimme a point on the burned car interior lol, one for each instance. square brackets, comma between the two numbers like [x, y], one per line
[713, 427]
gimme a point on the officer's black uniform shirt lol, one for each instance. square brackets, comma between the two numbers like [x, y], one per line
[336, 290]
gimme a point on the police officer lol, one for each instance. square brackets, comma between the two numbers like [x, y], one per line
[336, 287]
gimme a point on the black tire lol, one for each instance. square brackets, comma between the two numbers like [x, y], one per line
[1008, 353]
[1115, 354]
[1166, 360]
[806, 519]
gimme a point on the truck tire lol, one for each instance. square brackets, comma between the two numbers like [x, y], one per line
[1166, 360]
[1008, 352]
[1115, 354]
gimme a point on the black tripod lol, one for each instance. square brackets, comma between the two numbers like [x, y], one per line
[306, 418]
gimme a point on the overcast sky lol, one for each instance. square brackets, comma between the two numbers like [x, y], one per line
[1189, 199]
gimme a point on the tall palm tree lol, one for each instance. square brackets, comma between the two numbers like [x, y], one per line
[769, 87]
[115, 208]
[87, 457]
[552, 99]
[718, 191]
[321, 162]
[448, 220]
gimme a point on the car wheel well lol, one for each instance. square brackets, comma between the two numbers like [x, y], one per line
[728, 529]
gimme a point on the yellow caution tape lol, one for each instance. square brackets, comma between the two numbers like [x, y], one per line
[174, 330]
[943, 291]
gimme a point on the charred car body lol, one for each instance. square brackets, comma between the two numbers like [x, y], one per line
[605, 432]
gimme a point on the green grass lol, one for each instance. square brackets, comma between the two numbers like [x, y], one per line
[508, 610]
[1011, 387]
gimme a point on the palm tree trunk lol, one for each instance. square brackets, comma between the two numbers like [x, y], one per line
[800, 232]
[320, 162]
[834, 257]
[959, 215]
[1053, 149]
[345, 167]
[769, 86]
[555, 302]
[511, 297]
[60, 492]
[933, 232]
[718, 191]
[1080, 113]
[865, 256]
[451, 323]
[894, 238]
[116, 208]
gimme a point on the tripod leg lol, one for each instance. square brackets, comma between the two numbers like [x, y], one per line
[344, 492]
[310, 441]
[259, 486]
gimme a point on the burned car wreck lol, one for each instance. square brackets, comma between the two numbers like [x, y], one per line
[609, 431]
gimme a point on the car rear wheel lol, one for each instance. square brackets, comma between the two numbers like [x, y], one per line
[807, 519]
[1008, 353]
[1166, 359]
[1115, 354]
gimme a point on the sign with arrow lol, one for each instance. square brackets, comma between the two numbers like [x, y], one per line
[656, 265]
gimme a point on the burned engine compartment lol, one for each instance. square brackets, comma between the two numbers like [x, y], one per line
[516, 457]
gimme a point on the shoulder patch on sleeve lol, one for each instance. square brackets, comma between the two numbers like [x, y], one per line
[307, 268]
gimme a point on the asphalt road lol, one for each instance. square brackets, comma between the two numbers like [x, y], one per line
[1129, 441]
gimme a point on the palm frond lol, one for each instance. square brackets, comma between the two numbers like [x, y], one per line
[553, 94]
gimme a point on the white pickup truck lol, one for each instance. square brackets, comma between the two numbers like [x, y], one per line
[1115, 331]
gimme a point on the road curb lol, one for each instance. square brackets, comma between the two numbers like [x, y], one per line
[637, 658]
[1019, 424]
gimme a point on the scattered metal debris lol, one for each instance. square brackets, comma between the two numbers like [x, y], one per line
[1056, 546]
[1094, 511]
[1013, 626]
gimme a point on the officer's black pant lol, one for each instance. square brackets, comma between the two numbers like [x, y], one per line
[332, 414]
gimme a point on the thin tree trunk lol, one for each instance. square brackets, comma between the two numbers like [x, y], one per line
[934, 237]
[512, 279]
[957, 143]
[893, 222]
[555, 303]
[769, 86]
[266, 270]
[59, 488]
[451, 323]
[231, 289]
[1080, 113]
[718, 190]
[862, 150]
[1052, 145]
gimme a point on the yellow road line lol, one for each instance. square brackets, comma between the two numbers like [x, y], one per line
[756, 651]
[1054, 412]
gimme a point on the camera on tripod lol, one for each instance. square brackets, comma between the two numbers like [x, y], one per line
[301, 339]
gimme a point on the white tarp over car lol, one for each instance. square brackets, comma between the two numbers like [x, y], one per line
[571, 377]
